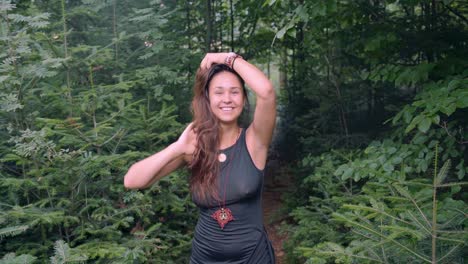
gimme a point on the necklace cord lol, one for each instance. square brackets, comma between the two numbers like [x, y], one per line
[228, 172]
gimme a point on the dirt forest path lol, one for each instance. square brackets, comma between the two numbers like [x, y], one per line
[275, 186]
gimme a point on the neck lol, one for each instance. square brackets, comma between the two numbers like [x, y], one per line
[228, 135]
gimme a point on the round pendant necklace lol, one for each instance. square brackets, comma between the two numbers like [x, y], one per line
[222, 157]
[224, 215]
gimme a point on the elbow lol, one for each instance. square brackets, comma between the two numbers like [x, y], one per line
[268, 93]
[128, 183]
[129, 180]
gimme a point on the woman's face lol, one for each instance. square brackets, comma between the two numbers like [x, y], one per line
[226, 97]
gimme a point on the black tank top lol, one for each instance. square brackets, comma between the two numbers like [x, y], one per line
[244, 239]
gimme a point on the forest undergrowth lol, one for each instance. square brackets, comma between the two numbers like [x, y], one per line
[372, 127]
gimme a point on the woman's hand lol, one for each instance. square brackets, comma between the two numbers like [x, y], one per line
[187, 140]
[213, 58]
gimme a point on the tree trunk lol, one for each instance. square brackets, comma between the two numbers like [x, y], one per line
[65, 50]
[219, 41]
[283, 75]
[189, 36]
[114, 27]
[232, 24]
[209, 26]
[336, 82]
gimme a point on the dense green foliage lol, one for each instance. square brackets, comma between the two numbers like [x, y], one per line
[397, 72]
[80, 102]
[373, 103]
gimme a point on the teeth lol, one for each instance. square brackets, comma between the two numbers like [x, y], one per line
[226, 108]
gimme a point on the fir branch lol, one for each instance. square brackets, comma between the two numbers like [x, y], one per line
[419, 223]
[448, 253]
[12, 231]
[369, 229]
[382, 212]
[406, 194]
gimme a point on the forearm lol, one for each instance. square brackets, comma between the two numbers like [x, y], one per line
[255, 79]
[148, 170]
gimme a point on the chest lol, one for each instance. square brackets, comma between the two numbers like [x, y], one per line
[239, 180]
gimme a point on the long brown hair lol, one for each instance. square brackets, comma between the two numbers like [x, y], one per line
[204, 165]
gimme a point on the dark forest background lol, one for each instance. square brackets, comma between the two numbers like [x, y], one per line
[372, 127]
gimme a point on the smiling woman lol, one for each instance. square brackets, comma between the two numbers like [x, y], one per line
[226, 96]
[225, 92]
[226, 161]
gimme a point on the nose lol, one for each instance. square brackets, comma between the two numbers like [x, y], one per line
[227, 98]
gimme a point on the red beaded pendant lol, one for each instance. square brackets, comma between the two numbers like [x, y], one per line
[223, 216]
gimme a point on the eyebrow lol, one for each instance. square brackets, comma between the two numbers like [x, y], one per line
[222, 87]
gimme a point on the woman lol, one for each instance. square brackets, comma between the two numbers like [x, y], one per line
[226, 161]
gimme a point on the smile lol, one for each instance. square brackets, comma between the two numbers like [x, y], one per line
[227, 109]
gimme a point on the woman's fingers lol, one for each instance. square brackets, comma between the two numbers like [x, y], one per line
[212, 58]
[203, 62]
[206, 62]
[186, 132]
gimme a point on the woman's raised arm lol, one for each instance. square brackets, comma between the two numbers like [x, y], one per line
[144, 173]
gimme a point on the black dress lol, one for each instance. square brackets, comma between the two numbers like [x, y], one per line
[243, 240]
